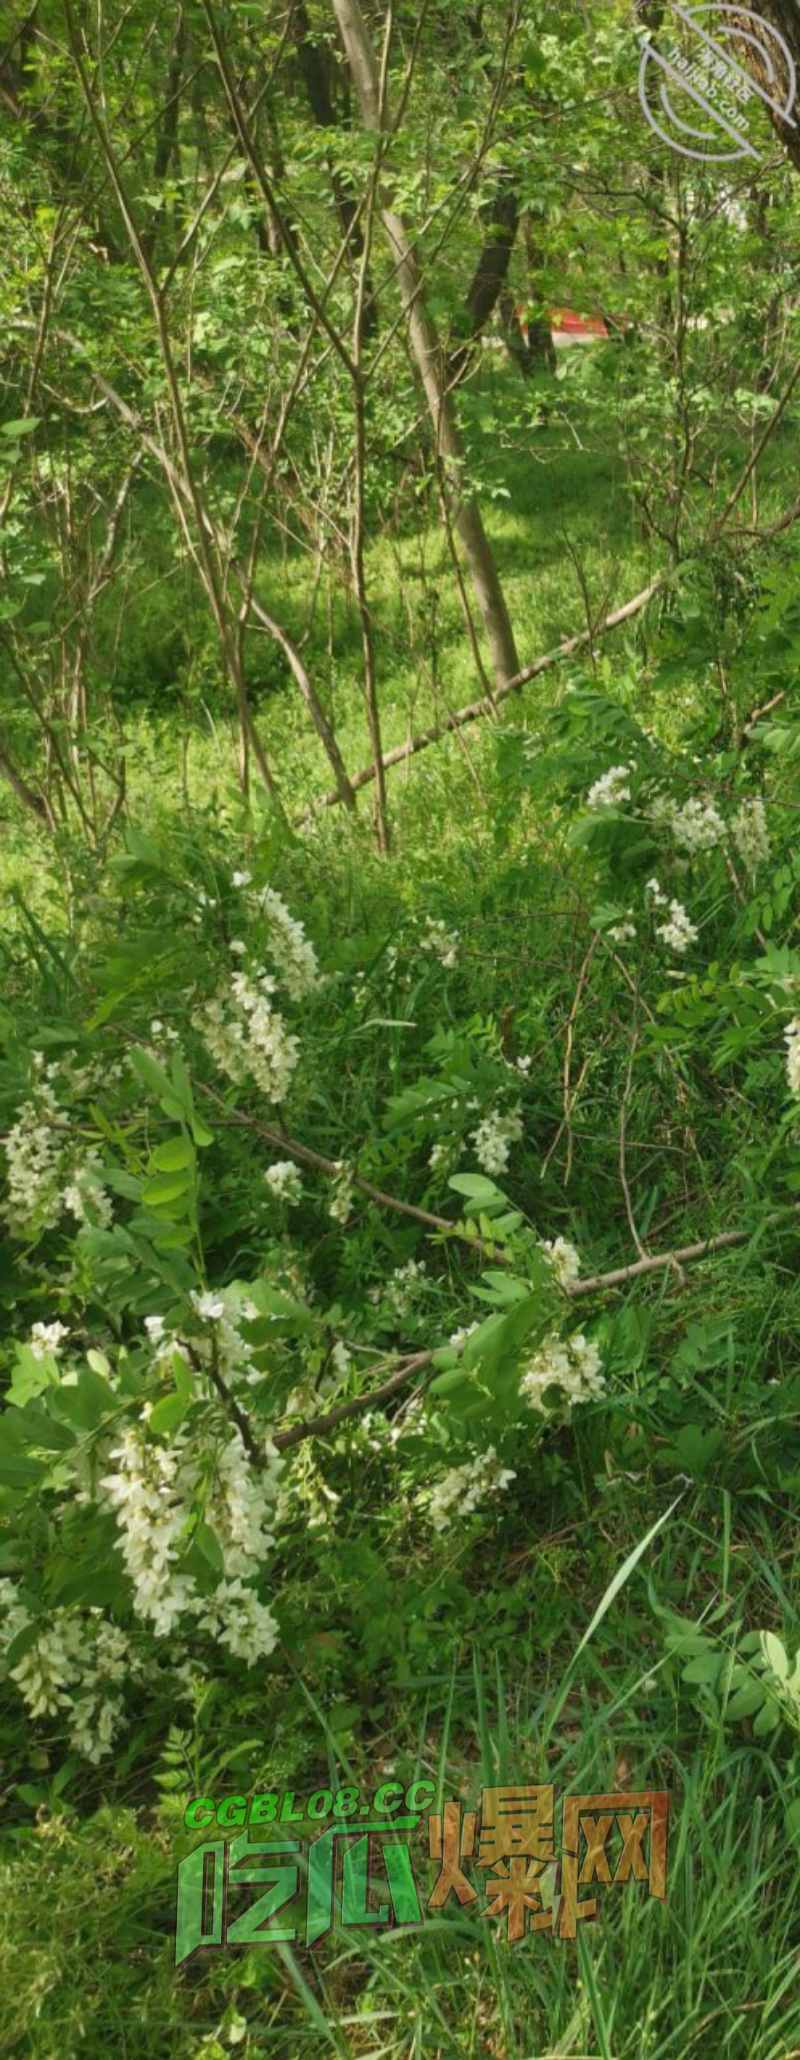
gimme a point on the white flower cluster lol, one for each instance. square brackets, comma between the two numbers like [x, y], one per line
[494, 1137]
[750, 833]
[38, 1158]
[285, 1180]
[154, 1492]
[572, 1364]
[69, 1667]
[443, 943]
[792, 1037]
[697, 826]
[678, 931]
[224, 1344]
[46, 1338]
[86, 1197]
[622, 933]
[241, 1503]
[402, 1287]
[34, 1151]
[459, 1491]
[611, 789]
[290, 948]
[247, 1037]
[564, 1259]
[341, 1199]
[458, 1338]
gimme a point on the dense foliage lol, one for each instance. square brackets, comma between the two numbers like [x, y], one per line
[400, 1027]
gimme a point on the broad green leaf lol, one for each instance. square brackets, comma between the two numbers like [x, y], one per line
[172, 1157]
[166, 1190]
[166, 1415]
[775, 1654]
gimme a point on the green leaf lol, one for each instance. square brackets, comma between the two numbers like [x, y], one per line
[767, 1720]
[32, 1375]
[18, 1472]
[148, 1070]
[775, 1655]
[23, 1642]
[25, 426]
[208, 1543]
[166, 1190]
[166, 1415]
[746, 1700]
[449, 1384]
[86, 1404]
[703, 1672]
[36, 1430]
[172, 1157]
[201, 1135]
[476, 1188]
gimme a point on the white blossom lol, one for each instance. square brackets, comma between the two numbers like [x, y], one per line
[494, 1137]
[571, 1364]
[611, 789]
[285, 1180]
[678, 932]
[46, 1337]
[86, 1197]
[458, 1338]
[209, 1307]
[341, 1199]
[461, 1489]
[247, 1037]
[564, 1259]
[292, 953]
[697, 826]
[792, 1037]
[403, 1286]
[443, 943]
[34, 1150]
[750, 834]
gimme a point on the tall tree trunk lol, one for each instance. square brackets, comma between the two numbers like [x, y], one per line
[429, 359]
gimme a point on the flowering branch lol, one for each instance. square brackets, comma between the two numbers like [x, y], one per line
[231, 1405]
[597, 1283]
[317, 1426]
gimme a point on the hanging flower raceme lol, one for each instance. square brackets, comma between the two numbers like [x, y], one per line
[247, 1036]
[459, 1491]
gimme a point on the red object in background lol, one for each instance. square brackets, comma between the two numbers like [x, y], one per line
[569, 324]
[566, 326]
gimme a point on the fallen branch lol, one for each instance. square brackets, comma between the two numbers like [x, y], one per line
[474, 710]
[317, 1426]
[333, 1168]
[320, 1426]
[598, 1283]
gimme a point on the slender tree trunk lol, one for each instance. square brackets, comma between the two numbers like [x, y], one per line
[430, 360]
